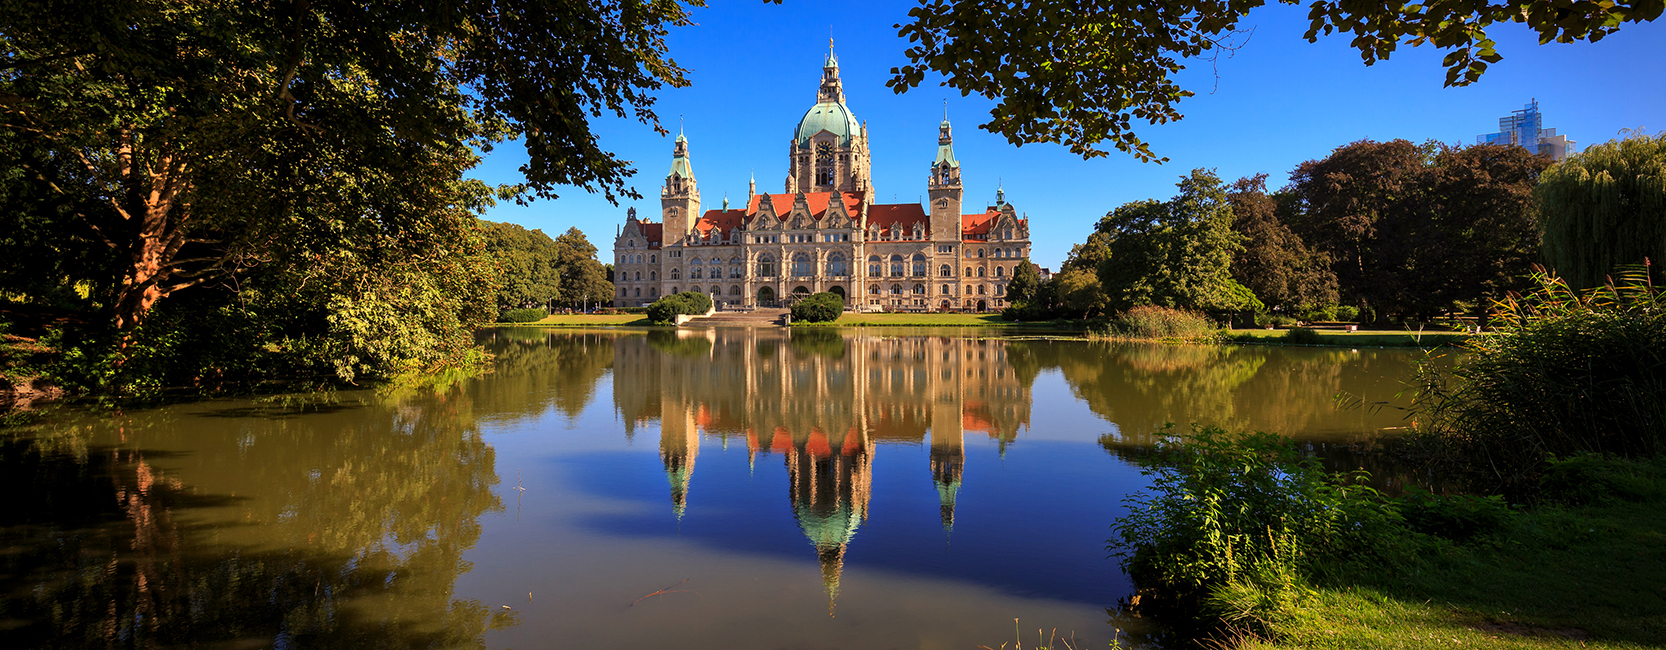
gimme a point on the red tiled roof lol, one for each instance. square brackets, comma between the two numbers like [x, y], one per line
[723, 220]
[902, 215]
[973, 225]
[654, 233]
[977, 224]
[817, 201]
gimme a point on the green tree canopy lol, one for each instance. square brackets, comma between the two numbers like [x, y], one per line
[1080, 73]
[1418, 229]
[1275, 264]
[1025, 281]
[1604, 207]
[527, 261]
[187, 142]
[1176, 253]
[584, 280]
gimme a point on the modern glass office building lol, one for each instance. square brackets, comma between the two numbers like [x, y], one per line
[1525, 128]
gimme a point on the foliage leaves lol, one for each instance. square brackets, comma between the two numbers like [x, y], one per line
[1081, 73]
[1604, 207]
[1176, 253]
[823, 307]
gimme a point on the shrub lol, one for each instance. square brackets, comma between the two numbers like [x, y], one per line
[1319, 313]
[667, 308]
[522, 316]
[1233, 524]
[819, 308]
[1302, 336]
[1276, 320]
[1456, 517]
[1564, 373]
[1347, 313]
[1152, 322]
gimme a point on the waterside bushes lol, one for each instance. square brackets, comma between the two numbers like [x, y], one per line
[1549, 445]
[824, 307]
[669, 307]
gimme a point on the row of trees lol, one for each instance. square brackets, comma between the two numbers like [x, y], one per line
[541, 272]
[1385, 228]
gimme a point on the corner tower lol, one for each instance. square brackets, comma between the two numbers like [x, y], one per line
[680, 198]
[829, 151]
[944, 188]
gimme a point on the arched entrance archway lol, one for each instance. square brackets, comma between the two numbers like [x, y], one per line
[982, 306]
[839, 291]
[945, 306]
[800, 291]
[766, 296]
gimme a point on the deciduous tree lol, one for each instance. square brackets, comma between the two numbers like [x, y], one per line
[1079, 73]
[1604, 207]
[1275, 264]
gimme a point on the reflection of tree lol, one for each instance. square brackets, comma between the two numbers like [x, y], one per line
[340, 529]
[1140, 387]
[562, 367]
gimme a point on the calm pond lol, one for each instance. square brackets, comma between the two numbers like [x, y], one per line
[730, 488]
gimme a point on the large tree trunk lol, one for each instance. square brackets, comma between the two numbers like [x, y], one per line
[147, 227]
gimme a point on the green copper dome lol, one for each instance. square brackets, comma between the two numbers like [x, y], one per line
[828, 116]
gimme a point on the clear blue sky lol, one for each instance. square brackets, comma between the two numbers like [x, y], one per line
[1279, 101]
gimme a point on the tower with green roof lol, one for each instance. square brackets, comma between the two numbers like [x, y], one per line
[829, 150]
[944, 188]
[680, 197]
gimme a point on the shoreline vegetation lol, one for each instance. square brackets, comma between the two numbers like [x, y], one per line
[1529, 510]
[1286, 336]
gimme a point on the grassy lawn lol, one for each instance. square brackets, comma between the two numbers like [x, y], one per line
[582, 320]
[1343, 339]
[853, 319]
[1559, 578]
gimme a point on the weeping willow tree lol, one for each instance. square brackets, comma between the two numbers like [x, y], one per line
[1605, 207]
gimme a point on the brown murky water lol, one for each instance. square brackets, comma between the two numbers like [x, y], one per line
[728, 488]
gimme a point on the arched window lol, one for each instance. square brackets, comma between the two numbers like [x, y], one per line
[980, 252]
[717, 262]
[981, 272]
[1000, 271]
[803, 266]
[1006, 233]
[624, 293]
[999, 289]
[676, 274]
[734, 290]
[919, 289]
[896, 266]
[675, 291]
[896, 289]
[874, 266]
[945, 271]
[639, 292]
[945, 290]
[638, 275]
[873, 289]
[734, 267]
[697, 270]
[919, 265]
[653, 275]
[836, 265]
[652, 259]
[968, 271]
[695, 288]
[766, 265]
[981, 289]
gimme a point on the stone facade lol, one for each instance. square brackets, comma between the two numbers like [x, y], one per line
[824, 233]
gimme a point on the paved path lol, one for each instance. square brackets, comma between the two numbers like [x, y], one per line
[754, 317]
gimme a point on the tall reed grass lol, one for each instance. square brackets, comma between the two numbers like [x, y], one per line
[1153, 322]
[1566, 372]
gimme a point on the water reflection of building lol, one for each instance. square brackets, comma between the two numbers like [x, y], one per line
[824, 403]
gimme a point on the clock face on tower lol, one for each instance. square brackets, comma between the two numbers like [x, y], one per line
[824, 151]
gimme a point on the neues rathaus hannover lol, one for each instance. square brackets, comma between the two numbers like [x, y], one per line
[824, 233]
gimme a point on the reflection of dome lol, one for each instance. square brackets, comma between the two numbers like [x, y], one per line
[829, 116]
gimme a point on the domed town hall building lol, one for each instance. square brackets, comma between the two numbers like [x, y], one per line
[824, 233]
